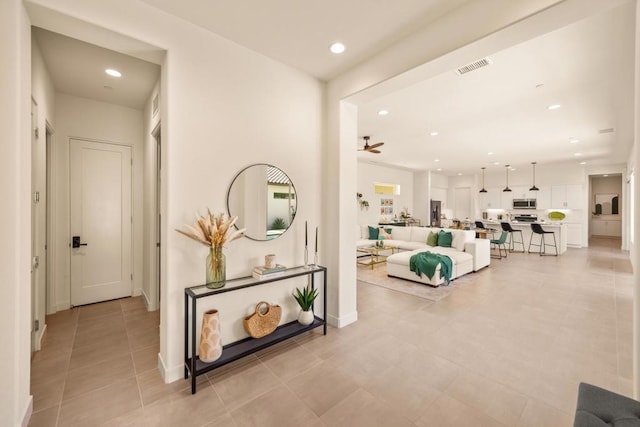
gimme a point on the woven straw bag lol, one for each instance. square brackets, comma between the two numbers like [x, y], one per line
[261, 324]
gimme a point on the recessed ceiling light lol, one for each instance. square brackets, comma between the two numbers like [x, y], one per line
[439, 169]
[113, 73]
[554, 107]
[605, 174]
[436, 160]
[459, 173]
[577, 154]
[434, 134]
[583, 163]
[496, 163]
[574, 140]
[383, 112]
[337, 48]
[512, 169]
[490, 153]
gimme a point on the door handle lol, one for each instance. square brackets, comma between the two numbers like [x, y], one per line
[75, 242]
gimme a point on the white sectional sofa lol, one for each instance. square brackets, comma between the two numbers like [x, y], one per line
[466, 252]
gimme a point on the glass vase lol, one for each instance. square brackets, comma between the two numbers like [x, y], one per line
[216, 268]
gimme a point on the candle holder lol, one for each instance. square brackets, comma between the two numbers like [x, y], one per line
[315, 259]
[306, 257]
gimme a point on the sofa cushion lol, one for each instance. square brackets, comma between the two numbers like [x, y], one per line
[374, 233]
[460, 237]
[445, 238]
[401, 233]
[599, 407]
[419, 234]
[432, 239]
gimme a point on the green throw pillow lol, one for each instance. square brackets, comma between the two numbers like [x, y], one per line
[445, 238]
[373, 233]
[432, 239]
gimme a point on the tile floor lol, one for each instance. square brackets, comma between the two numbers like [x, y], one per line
[508, 349]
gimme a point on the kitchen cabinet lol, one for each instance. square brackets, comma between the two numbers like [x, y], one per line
[490, 199]
[506, 199]
[574, 235]
[566, 197]
[606, 227]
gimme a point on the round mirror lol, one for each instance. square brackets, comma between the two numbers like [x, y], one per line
[264, 200]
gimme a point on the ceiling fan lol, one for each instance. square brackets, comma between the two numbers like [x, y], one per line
[371, 148]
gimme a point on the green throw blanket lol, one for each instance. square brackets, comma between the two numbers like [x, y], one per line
[427, 262]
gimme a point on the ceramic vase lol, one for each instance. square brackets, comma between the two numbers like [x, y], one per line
[216, 268]
[210, 348]
[305, 317]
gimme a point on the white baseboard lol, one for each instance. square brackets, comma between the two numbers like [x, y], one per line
[145, 300]
[63, 305]
[341, 322]
[170, 375]
[27, 413]
[44, 329]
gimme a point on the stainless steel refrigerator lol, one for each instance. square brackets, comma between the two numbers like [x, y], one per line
[436, 210]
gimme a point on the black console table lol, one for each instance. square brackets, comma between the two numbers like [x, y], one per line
[244, 347]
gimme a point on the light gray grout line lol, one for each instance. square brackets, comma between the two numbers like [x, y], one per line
[64, 382]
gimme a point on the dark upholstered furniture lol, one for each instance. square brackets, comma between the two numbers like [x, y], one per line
[598, 407]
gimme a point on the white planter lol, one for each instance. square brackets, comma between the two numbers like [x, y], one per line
[305, 317]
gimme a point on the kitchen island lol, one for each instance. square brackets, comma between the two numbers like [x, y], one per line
[559, 229]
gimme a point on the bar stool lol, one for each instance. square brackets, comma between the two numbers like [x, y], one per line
[537, 229]
[480, 226]
[499, 244]
[512, 242]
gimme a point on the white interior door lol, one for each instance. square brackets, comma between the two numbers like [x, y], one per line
[100, 216]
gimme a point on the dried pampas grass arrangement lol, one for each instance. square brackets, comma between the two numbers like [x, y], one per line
[213, 231]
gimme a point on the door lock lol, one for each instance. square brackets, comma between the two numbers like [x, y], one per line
[75, 242]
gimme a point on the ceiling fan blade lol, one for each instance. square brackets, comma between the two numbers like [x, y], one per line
[374, 151]
[376, 145]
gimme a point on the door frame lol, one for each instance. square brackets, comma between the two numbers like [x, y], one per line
[156, 222]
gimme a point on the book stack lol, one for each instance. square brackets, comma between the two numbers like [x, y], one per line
[261, 272]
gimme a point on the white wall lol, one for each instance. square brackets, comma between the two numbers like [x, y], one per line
[98, 121]
[15, 227]
[224, 107]
[43, 93]
[368, 174]
[150, 185]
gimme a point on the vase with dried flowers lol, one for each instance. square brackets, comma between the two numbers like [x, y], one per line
[214, 231]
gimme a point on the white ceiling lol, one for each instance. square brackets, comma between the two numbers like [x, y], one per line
[298, 33]
[77, 68]
[586, 67]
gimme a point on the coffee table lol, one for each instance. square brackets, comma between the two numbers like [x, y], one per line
[375, 254]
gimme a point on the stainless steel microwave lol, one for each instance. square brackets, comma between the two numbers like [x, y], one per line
[524, 204]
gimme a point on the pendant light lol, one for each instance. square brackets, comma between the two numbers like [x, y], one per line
[507, 189]
[483, 190]
[534, 188]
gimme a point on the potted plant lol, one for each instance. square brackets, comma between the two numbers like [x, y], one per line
[305, 298]
[363, 203]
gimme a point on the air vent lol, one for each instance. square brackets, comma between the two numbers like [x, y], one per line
[608, 130]
[474, 66]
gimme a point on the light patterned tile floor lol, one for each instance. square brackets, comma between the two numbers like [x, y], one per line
[509, 348]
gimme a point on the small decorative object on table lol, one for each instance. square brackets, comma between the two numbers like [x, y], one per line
[214, 231]
[305, 299]
[261, 324]
[315, 257]
[262, 272]
[210, 348]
